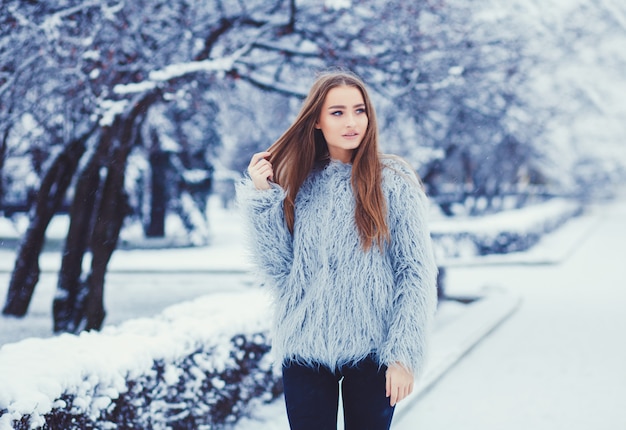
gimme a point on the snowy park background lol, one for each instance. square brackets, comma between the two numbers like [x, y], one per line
[124, 125]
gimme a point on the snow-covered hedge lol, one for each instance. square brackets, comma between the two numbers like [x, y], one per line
[500, 233]
[198, 365]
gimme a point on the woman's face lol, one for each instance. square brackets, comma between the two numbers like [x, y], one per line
[343, 121]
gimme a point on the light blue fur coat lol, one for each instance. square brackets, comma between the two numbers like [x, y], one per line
[335, 303]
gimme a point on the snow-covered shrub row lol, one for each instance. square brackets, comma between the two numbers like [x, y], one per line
[500, 233]
[198, 365]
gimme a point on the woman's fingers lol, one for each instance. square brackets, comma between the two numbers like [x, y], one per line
[261, 167]
[258, 157]
[259, 164]
[398, 383]
[260, 170]
[394, 397]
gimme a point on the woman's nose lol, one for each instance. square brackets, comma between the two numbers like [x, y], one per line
[350, 120]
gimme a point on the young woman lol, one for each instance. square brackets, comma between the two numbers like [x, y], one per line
[338, 231]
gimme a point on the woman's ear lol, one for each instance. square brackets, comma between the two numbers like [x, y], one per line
[317, 125]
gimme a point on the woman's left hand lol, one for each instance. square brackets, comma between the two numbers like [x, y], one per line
[399, 383]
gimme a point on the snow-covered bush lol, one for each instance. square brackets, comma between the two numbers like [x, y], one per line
[198, 365]
[500, 233]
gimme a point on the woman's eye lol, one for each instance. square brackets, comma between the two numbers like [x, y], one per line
[360, 110]
[336, 113]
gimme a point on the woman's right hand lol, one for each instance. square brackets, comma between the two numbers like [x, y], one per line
[260, 170]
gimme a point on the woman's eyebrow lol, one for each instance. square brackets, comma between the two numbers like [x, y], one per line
[343, 106]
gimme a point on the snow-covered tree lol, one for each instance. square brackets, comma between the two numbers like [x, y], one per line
[120, 61]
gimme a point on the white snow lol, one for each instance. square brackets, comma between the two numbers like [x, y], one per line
[138, 87]
[110, 110]
[177, 70]
[338, 4]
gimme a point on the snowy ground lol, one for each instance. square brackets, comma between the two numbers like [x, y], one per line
[557, 362]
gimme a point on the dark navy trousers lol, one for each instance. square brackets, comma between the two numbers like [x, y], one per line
[312, 396]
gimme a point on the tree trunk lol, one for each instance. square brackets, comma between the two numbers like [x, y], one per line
[3, 154]
[158, 193]
[71, 292]
[106, 230]
[50, 197]
[98, 221]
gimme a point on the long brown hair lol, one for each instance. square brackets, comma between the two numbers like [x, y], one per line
[294, 154]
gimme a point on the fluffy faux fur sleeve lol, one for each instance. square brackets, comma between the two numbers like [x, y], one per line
[414, 268]
[268, 236]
